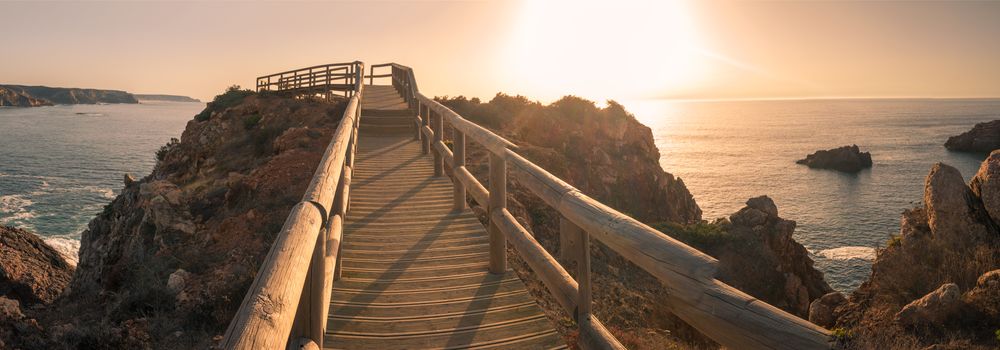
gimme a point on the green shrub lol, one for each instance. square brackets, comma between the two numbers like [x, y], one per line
[701, 235]
[841, 334]
[894, 240]
[162, 152]
[234, 95]
[250, 121]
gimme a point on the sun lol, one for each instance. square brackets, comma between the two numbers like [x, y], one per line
[602, 49]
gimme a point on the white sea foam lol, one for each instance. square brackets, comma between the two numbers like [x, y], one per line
[847, 253]
[14, 203]
[14, 211]
[67, 247]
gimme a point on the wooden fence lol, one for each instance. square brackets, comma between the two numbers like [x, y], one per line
[287, 304]
[723, 313]
[344, 77]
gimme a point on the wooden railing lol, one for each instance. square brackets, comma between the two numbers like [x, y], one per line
[328, 77]
[723, 313]
[287, 304]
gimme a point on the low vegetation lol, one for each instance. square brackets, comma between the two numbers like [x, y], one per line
[232, 97]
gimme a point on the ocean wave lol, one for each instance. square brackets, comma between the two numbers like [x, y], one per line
[14, 211]
[14, 203]
[67, 247]
[847, 253]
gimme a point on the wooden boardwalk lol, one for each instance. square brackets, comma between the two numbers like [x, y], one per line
[415, 271]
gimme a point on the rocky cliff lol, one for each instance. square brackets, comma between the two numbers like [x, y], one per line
[171, 98]
[937, 283]
[33, 96]
[168, 261]
[605, 152]
[17, 98]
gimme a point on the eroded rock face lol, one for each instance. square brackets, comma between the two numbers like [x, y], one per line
[181, 245]
[983, 138]
[986, 185]
[951, 207]
[934, 308]
[30, 270]
[604, 152]
[791, 282]
[847, 159]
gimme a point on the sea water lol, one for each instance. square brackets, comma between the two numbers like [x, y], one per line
[60, 165]
[729, 151]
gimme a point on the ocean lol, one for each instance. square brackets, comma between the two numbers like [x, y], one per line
[729, 151]
[60, 165]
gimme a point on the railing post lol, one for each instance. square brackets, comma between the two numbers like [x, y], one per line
[438, 125]
[568, 239]
[317, 284]
[582, 258]
[426, 116]
[458, 161]
[416, 122]
[498, 201]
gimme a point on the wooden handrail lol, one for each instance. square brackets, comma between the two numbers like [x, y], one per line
[723, 313]
[287, 304]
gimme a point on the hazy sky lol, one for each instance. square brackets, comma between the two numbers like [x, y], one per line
[543, 49]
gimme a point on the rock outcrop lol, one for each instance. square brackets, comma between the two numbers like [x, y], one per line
[31, 271]
[33, 96]
[823, 311]
[848, 159]
[983, 138]
[934, 308]
[760, 257]
[605, 152]
[939, 272]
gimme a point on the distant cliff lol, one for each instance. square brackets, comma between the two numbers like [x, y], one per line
[33, 96]
[170, 98]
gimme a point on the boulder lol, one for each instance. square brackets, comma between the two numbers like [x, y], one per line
[822, 311]
[934, 308]
[986, 185]
[983, 138]
[31, 271]
[985, 296]
[847, 159]
[177, 280]
[947, 202]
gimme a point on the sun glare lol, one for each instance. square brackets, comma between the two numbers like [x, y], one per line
[601, 49]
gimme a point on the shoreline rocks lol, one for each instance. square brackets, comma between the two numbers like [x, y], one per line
[982, 138]
[848, 159]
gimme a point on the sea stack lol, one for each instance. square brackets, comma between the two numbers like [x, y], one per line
[983, 138]
[847, 159]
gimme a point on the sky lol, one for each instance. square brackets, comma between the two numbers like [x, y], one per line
[542, 49]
